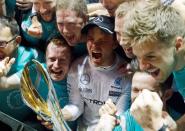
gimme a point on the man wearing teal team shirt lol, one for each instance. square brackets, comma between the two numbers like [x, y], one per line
[45, 11]
[12, 60]
[58, 60]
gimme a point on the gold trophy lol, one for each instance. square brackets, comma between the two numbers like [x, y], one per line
[33, 77]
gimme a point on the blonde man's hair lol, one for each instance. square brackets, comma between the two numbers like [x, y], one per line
[151, 21]
[79, 6]
[124, 8]
[179, 5]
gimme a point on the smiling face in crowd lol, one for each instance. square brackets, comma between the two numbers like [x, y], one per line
[58, 59]
[156, 58]
[45, 8]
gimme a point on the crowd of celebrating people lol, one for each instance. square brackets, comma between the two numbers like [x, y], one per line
[115, 64]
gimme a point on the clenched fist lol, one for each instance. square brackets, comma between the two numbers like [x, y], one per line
[147, 110]
[106, 123]
[108, 108]
[35, 30]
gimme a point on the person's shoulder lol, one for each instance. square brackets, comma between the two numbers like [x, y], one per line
[78, 62]
[31, 53]
[24, 49]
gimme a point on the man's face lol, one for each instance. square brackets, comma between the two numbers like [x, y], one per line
[156, 58]
[100, 47]
[58, 61]
[142, 81]
[5, 36]
[111, 5]
[45, 8]
[70, 25]
[118, 29]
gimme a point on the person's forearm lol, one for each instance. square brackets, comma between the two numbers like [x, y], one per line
[9, 82]
[181, 123]
[71, 112]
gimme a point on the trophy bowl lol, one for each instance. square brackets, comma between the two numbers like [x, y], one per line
[38, 93]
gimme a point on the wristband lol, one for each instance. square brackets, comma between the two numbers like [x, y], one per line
[163, 128]
[33, 14]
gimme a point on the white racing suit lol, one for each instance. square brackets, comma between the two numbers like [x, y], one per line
[89, 88]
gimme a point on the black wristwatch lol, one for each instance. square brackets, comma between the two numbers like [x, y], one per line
[163, 128]
[33, 14]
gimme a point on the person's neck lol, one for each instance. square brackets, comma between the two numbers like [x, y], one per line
[112, 60]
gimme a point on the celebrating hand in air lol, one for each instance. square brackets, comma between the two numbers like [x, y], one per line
[107, 119]
[108, 108]
[5, 65]
[35, 29]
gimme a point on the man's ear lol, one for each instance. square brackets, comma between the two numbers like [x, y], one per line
[179, 43]
[18, 39]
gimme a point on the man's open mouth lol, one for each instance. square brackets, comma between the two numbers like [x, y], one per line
[96, 55]
[154, 72]
[56, 72]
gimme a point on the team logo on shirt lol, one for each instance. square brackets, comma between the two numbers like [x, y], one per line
[94, 101]
[85, 79]
[14, 100]
[117, 83]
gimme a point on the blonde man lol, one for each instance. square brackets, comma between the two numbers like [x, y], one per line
[157, 36]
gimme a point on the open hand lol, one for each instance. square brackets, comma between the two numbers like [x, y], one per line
[5, 65]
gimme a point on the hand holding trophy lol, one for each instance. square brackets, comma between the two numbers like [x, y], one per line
[33, 77]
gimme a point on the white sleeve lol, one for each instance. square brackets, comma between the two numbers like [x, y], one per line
[76, 103]
[12, 81]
